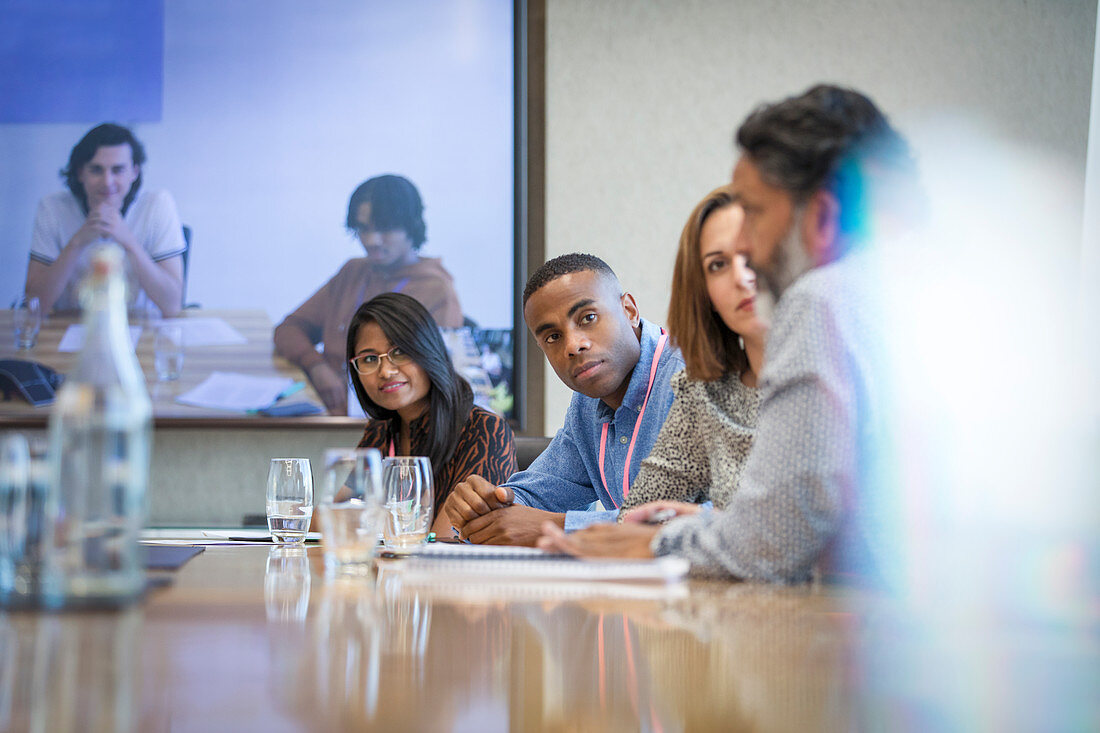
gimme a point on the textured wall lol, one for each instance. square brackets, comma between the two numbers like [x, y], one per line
[643, 98]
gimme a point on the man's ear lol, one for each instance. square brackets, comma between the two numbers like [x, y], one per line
[821, 226]
[630, 308]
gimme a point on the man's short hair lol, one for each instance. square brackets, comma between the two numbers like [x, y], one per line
[829, 138]
[563, 265]
[106, 135]
[394, 204]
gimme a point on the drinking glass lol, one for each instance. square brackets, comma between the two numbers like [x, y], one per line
[27, 319]
[15, 463]
[409, 500]
[289, 499]
[350, 508]
[168, 352]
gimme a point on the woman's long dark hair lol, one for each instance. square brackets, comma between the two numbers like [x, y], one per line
[409, 326]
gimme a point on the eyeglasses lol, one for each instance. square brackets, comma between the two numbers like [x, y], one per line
[370, 363]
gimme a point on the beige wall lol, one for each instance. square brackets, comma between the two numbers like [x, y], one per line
[643, 99]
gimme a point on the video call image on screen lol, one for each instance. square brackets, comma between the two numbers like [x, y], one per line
[259, 121]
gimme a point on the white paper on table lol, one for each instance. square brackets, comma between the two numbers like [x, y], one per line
[73, 339]
[233, 391]
[525, 568]
[252, 535]
[205, 331]
[453, 550]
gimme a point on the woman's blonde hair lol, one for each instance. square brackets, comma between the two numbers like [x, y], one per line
[710, 349]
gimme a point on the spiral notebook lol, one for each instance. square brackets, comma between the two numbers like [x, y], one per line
[529, 563]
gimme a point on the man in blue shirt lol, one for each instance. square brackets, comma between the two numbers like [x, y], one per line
[619, 366]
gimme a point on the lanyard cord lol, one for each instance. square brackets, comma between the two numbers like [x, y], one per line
[637, 425]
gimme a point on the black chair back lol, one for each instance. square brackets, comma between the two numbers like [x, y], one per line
[528, 448]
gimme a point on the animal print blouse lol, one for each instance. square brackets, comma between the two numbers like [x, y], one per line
[485, 447]
[703, 444]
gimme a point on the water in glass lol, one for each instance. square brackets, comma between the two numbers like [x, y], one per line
[27, 321]
[349, 509]
[289, 499]
[168, 353]
[288, 520]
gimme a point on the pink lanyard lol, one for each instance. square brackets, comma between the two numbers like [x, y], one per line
[637, 424]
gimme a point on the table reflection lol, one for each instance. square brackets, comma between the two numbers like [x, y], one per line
[287, 583]
[388, 652]
[69, 672]
[259, 638]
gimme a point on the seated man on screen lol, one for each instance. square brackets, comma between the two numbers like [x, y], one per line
[828, 187]
[104, 203]
[387, 215]
[619, 366]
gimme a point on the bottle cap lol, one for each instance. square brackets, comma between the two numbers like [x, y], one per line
[105, 260]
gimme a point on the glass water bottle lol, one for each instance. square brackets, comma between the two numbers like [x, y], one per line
[100, 431]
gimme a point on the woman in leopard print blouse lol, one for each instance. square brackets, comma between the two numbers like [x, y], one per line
[420, 406]
[706, 438]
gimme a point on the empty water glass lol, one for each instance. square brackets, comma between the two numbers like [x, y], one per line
[349, 508]
[27, 318]
[289, 499]
[168, 352]
[409, 500]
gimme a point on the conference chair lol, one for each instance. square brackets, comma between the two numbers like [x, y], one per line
[186, 268]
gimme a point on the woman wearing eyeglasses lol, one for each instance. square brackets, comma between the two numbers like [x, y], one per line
[387, 215]
[419, 405]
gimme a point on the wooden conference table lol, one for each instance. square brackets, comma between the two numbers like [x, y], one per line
[255, 357]
[255, 638]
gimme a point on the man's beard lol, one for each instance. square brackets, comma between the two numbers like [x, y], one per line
[790, 261]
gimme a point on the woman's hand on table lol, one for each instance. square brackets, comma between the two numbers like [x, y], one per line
[658, 512]
[600, 540]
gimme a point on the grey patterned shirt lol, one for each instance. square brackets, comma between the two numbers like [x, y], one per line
[817, 401]
[701, 450]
